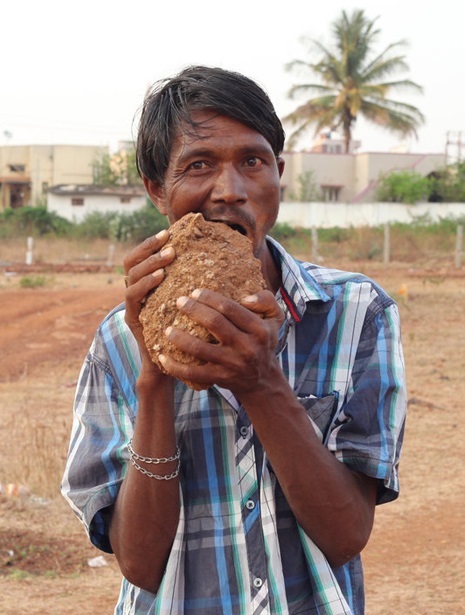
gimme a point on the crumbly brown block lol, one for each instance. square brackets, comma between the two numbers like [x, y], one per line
[208, 255]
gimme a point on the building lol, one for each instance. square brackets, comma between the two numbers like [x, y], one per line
[27, 171]
[352, 177]
[36, 174]
[75, 202]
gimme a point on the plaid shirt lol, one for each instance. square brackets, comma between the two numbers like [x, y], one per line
[238, 549]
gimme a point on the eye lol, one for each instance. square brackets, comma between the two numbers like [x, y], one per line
[253, 161]
[198, 165]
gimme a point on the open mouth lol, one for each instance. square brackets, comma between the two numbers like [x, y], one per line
[238, 228]
[233, 225]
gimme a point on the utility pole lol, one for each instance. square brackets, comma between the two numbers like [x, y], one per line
[454, 144]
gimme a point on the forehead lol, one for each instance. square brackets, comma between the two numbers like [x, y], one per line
[212, 129]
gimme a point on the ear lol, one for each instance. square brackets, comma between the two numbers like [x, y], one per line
[280, 162]
[156, 194]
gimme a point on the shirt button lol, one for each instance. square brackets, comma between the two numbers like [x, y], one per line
[257, 582]
[250, 504]
[244, 431]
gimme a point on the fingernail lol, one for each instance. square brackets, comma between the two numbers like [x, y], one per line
[250, 299]
[168, 331]
[161, 234]
[158, 273]
[162, 359]
[167, 252]
[196, 293]
[182, 301]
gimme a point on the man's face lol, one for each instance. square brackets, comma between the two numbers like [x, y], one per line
[226, 171]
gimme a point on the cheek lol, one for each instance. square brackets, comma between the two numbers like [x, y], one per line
[181, 201]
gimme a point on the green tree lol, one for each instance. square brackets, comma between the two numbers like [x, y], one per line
[116, 170]
[404, 187]
[308, 190]
[103, 173]
[449, 184]
[352, 82]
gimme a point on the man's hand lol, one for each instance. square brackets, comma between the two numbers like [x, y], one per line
[144, 270]
[247, 336]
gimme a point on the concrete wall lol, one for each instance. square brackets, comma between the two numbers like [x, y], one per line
[345, 215]
[62, 205]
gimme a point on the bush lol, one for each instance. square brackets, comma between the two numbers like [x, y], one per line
[33, 281]
[404, 187]
[449, 184]
[139, 225]
[34, 222]
[96, 225]
[282, 231]
[134, 227]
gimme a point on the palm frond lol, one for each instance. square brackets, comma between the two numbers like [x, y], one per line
[352, 81]
[306, 88]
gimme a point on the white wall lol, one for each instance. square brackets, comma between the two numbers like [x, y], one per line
[61, 205]
[344, 215]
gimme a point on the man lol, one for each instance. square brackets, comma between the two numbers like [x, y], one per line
[256, 495]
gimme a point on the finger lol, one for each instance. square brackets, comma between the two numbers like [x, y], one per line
[188, 373]
[217, 305]
[203, 350]
[144, 273]
[264, 304]
[222, 317]
[136, 294]
[150, 246]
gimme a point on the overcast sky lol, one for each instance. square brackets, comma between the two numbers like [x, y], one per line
[76, 72]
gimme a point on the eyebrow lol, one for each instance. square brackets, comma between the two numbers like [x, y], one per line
[200, 152]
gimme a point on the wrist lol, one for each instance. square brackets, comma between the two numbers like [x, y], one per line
[275, 386]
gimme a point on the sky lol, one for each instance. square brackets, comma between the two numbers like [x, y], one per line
[76, 72]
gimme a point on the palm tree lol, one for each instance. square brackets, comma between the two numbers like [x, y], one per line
[351, 76]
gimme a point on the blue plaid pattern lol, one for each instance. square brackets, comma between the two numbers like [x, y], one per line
[238, 549]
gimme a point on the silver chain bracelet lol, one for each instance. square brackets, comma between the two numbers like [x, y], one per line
[154, 460]
[156, 476]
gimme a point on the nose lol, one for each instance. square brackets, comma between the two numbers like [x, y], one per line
[229, 186]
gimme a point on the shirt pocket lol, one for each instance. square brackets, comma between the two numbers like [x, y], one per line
[320, 411]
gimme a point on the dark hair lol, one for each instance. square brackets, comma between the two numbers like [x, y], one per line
[171, 102]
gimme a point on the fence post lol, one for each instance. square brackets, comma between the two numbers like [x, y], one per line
[459, 247]
[29, 250]
[315, 256]
[387, 244]
[111, 255]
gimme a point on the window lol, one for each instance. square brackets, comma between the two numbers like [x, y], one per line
[77, 201]
[331, 193]
[17, 168]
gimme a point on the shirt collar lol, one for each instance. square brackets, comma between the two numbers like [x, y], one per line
[298, 286]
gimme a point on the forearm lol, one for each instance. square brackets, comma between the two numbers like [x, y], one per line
[146, 512]
[333, 505]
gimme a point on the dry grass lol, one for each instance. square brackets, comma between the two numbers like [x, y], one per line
[415, 245]
[36, 431]
[59, 250]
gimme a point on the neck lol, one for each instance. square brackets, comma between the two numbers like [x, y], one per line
[271, 271]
